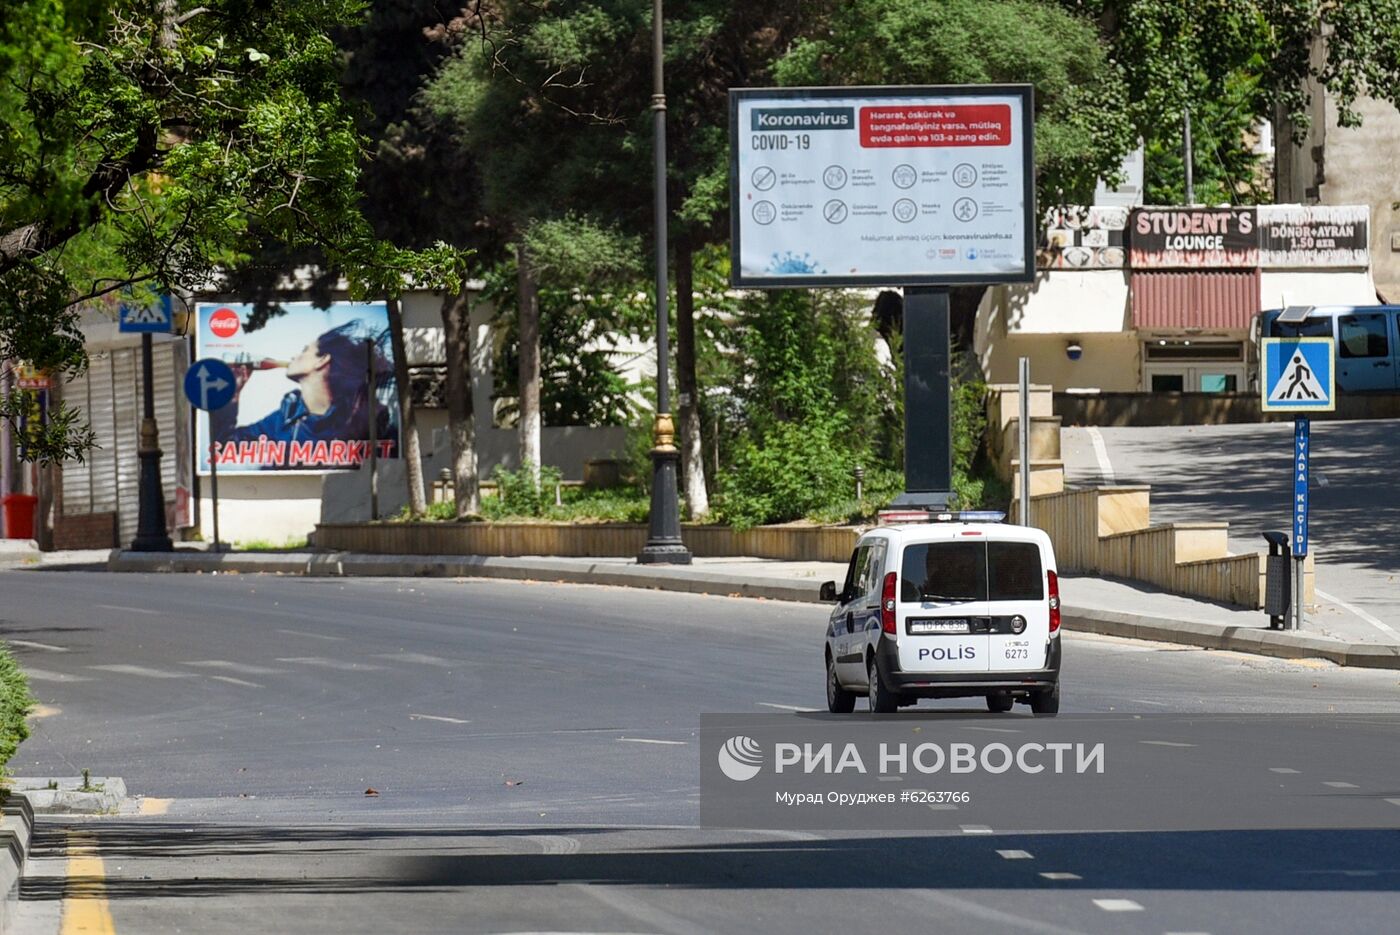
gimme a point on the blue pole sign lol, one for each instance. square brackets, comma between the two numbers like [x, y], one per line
[1301, 444]
[210, 384]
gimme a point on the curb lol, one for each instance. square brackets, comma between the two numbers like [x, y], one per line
[16, 829]
[1260, 641]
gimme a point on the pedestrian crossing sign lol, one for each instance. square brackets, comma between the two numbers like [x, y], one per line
[1297, 374]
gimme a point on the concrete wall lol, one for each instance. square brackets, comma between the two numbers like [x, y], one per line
[264, 507]
[1336, 165]
[1110, 362]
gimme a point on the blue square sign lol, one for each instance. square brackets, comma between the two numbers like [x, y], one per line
[157, 318]
[1297, 374]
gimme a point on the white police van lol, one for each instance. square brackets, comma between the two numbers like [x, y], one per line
[956, 606]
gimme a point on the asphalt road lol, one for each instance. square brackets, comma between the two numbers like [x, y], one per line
[535, 753]
[1241, 474]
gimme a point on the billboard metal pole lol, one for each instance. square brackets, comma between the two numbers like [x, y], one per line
[928, 435]
[151, 532]
[214, 491]
[1023, 435]
[372, 414]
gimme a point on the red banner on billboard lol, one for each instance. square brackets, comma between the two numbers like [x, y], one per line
[946, 125]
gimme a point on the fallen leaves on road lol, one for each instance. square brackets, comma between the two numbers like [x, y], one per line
[515, 782]
[372, 791]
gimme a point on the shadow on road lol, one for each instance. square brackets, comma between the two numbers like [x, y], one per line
[224, 861]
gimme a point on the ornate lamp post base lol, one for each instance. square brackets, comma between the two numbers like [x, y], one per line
[664, 545]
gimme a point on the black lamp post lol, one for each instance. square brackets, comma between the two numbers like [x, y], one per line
[664, 545]
[151, 533]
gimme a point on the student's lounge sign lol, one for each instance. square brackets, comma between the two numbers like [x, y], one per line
[1175, 238]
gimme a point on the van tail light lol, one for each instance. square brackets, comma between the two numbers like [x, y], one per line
[1054, 601]
[887, 599]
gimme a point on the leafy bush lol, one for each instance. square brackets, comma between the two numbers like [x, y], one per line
[15, 705]
[525, 492]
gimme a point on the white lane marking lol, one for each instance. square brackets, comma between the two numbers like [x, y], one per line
[995, 730]
[1186, 933]
[975, 829]
[233, 681]
[1393, 801]
[632, 906]
[785, 707]
[1166, 743]
[1118, 905]
[142, 671]
[1059, 875]
[942, 807]
[437, 717]
[44, 675]
[238, 667]
[1015, 855]
[1000, 920]
[1282, 769]
[421, 658]
[555, 843]
[1101, 456]
[1159, 704]
[325, 663]
[1383, 627]
[30, 644]
[890, 778]
[129, 610]
[667, 743]
[1342, 785]
[314, 636]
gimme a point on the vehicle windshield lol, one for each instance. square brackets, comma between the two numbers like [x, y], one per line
[958, 572]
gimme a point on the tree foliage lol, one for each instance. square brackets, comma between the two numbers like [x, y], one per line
[149, 143]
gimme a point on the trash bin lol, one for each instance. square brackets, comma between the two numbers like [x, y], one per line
[1278, 580]
[19, 515]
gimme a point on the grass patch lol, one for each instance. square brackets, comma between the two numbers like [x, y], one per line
[266, 545]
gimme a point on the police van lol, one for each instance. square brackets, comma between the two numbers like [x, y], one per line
[959, 605]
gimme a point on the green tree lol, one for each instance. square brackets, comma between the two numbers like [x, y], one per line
[149, 144]
[1232, 63]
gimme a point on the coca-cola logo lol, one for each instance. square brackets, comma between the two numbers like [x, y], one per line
[224, 323]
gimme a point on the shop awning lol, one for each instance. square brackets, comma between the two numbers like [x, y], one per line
[1216, 300]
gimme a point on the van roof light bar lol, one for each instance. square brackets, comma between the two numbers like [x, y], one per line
[942, 516]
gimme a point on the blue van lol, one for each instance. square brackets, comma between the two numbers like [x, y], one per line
[1367, 336]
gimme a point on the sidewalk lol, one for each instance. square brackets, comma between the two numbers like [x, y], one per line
[1094, 605]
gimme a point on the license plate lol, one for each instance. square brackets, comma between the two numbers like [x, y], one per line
[938, 626]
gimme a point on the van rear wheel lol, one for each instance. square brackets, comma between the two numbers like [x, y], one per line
[882, 700]
[1046, 700]
[838, 700]
[999, 703]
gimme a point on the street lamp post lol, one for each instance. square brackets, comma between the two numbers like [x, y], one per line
[151, 533]
[664, 545]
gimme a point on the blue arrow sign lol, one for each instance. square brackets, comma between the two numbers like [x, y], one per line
[147, 319]
[209, 384]
[1297, 374]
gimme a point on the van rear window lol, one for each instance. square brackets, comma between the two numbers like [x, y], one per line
[972, 571]
[1309, 328]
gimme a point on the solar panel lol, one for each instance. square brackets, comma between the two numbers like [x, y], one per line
[1295, 314]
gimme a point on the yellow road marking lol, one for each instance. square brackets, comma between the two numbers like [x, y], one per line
[155, 806]
[85, 909]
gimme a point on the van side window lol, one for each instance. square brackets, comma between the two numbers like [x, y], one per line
[1363, 336]
[1014, 572]
[855, 572]
[874, 566]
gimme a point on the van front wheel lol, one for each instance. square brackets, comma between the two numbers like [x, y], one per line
[1046, 700]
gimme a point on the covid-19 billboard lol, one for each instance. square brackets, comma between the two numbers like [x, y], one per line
[302, 400]
[881, 186]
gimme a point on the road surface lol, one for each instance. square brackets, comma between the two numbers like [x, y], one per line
[534, 752]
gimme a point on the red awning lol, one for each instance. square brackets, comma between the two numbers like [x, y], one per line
[1216, 300]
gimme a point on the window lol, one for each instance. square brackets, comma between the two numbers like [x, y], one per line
[1363, 336]
[1309, 328]
[855, 572]
[972, 571]
[1168, 383]
[1013, 572]
[1194, 350]
[1219, 383]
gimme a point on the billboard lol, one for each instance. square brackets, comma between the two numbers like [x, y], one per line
[1193, 238]
[1306, 236]
[881, 186]
[1078, 237]
[301, 403]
